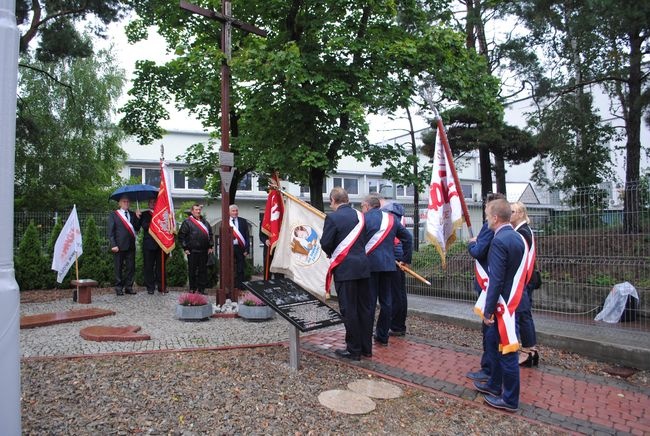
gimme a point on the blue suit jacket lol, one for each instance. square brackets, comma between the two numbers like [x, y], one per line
[504, 257]
[337, 226]
[382, 258]
[479, 250]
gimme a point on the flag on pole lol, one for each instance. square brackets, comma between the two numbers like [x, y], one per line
[68, 246]
[445, 213]
[163, 221]
[272, 221]
[298, 253]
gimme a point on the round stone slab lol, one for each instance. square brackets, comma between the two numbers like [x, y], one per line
[348, 402]
[375, 389]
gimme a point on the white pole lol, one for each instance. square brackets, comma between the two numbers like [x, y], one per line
[9, 296]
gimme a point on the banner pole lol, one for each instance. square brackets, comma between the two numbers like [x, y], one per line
[303, 204]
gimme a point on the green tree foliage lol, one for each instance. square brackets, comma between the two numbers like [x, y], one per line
[300, 96]
[31, 264]
[601, 42]
[139, 260]
[96, 262]
[177, 267]
[64, 134]
[54, 23]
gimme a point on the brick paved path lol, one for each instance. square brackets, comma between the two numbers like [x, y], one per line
[576, 402]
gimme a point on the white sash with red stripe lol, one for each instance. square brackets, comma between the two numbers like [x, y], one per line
[505, 312]
[342, 250]
[236, 235]
[126, 222]
[387, 222]
[482, 279]
[201, 226]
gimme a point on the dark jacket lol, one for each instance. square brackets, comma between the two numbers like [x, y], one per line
[148, 242]
[192, 238]
[118, 234]
[479, 250]
[337, 226]
[382, 258]
[398, 211]
[242, 226]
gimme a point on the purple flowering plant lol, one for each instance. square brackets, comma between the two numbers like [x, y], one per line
[250, 299]
[189, 299]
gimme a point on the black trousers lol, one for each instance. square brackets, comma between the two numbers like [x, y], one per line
[354, 303]
[152, 264]
[124, 265]
[240, 263]
[197, 266]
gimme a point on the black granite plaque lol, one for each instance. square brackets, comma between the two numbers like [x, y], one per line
[294, 303]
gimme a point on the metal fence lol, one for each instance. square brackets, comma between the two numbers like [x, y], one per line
[582, 252]
[45, 222]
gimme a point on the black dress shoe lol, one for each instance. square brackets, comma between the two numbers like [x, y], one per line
[380, 342]
[151, 292]
[131, 292]
[346, 354]
[366, 354]
[120, 292]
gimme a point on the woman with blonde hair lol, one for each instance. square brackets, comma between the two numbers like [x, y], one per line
[529, 355]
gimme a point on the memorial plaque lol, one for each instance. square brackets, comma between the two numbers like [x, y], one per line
[294, 304]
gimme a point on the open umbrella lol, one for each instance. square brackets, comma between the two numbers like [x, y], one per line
[135, 193]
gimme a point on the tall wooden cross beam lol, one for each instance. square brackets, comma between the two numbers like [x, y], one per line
[226, 265]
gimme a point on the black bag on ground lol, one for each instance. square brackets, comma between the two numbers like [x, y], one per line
[631, 309]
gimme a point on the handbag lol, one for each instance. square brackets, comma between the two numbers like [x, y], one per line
[536, 280]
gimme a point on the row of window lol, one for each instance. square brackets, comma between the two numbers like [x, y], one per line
[151, 176]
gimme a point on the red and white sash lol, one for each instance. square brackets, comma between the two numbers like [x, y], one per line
[126, 222]
[236, 235]
[342, 250]
[387, 222]
[532, 254]
[201, 226]
[505, 312]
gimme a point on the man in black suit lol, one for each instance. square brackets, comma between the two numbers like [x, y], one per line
[344, 243]
[195, 236]
[241, 244]
[123, 225]
[151, 253]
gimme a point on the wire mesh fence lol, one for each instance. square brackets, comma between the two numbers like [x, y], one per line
[45, 222]
[583, 250]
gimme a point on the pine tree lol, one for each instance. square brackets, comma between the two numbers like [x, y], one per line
[95, 263]
[31, 265]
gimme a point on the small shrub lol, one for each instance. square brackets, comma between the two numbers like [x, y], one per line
[189, 299]
[30, 263]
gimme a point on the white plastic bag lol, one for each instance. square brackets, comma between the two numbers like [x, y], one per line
[615, 302]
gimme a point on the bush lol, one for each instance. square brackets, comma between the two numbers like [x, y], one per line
[50, 279]
[176, 267]
[139, 260]
[30, 263]
[95, 263]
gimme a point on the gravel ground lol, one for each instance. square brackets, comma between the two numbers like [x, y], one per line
[249, 391]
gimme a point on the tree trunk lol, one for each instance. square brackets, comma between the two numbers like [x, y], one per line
[633, 130]
[416, 191]
[500, 173]
[316, 178]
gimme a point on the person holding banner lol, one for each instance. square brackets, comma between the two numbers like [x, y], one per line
[478, 248]
[123, 225]
[506, 280]
[343, 241]
[151, 253]
[381, 230]
[241, 244]
[195, 236]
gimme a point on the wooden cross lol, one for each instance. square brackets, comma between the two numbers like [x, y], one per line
[226, 265]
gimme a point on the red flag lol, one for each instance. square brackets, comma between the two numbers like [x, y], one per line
[273, 217]
[163, 222]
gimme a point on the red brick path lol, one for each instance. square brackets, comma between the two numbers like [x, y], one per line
[574, 401]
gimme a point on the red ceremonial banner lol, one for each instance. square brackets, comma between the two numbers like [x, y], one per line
[163, 222]
[273, 217]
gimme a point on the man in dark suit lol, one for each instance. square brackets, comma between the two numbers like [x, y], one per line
[381, 230]
[507, 277]
[123, 225]
[241, 244]
[343, 241]
[151, 253]
[195, 236]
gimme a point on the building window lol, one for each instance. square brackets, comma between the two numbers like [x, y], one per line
[400, 191]
[179, 179]
[195, 182]
[349, 184]
[467, 190]
[246, 183]
[304, 190]
[136, 173]
[152, 176]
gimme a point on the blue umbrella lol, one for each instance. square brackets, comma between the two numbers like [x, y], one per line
[135, 193]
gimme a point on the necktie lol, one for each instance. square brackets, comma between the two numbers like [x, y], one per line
[126, 214]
